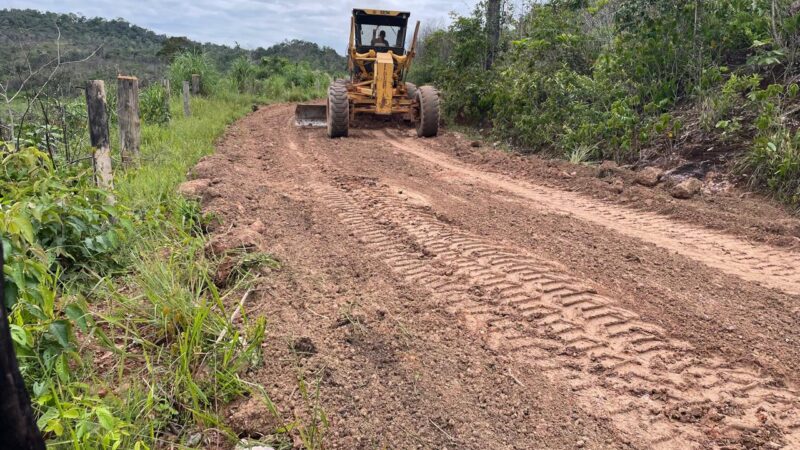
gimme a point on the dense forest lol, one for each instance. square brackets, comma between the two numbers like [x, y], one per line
[630, 80]
[320, 58]
[30, 39]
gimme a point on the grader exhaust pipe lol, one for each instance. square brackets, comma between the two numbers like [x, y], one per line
[311, 116]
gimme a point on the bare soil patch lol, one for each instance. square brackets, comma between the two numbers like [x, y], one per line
[440, 295]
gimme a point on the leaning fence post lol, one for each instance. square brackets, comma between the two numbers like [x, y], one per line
[98, 133]
[186, 111]
[167, 94]
[195, 84]
[128, 117]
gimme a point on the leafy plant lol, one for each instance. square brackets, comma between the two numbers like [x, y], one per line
[188, 63]
[773, 162]
[52, 220]
[154, 105]
[117, 341]
[243, 75]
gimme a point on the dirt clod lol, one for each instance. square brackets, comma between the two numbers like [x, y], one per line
[251, 418]
[194, 189]
[606, 169]
[224, 270]
[237, 239]
[304, 346]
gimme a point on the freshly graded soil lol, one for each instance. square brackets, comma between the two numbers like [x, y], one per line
[433, 294]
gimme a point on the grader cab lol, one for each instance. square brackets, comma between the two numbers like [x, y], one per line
[378, 62]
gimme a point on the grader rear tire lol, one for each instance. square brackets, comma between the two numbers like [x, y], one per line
[428, 120]
[338, 110]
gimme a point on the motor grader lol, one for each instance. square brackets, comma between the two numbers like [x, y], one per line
[378, 62]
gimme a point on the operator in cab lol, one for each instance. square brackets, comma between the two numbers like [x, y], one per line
[380, 40]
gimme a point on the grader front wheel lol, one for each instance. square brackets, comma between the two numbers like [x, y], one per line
[428, 119]
[411, 90]
[338, 110]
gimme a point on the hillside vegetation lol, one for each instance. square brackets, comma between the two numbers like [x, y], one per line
[631, 80]
[29, 39]
[320, 58]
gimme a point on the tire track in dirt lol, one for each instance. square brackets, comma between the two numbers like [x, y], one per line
[653, 388]
[752, 262]
[393, 369]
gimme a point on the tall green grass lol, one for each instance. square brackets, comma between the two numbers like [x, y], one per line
[123, 338]
[165, 305]
[189, 63]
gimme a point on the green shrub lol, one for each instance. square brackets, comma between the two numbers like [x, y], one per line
[773, 162]
[154, 105]
[52, 220]
[56, 225]
[578, 74]
[89, 279]
[282, 80]
[243, 75]
[189, 63]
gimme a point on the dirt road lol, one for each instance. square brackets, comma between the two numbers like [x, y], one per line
[445, 296]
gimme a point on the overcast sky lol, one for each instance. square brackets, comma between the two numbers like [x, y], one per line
[251, 23]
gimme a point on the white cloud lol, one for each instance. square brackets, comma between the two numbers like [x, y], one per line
[251, 23]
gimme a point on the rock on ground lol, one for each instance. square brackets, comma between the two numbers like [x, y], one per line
[686, 189]
[649, 176]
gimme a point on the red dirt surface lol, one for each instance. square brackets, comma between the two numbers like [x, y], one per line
[445, 296]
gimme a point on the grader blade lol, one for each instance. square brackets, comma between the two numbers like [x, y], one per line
[313, 116]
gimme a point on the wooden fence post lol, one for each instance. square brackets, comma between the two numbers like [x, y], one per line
[10, 125]
[195, 84]
[98, 133]
[128, 117]
[167, 94]
[186, 112]
[63, 110]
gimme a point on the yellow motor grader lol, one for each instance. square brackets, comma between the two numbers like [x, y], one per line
[378, 63]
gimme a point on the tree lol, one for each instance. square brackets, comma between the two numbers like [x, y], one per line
[42, 76]
[173, 46]
[493, 8]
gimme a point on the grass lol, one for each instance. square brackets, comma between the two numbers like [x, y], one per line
[581, 154]
[170, 151]
[123, 337]
[170, 310]
[166, 355]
